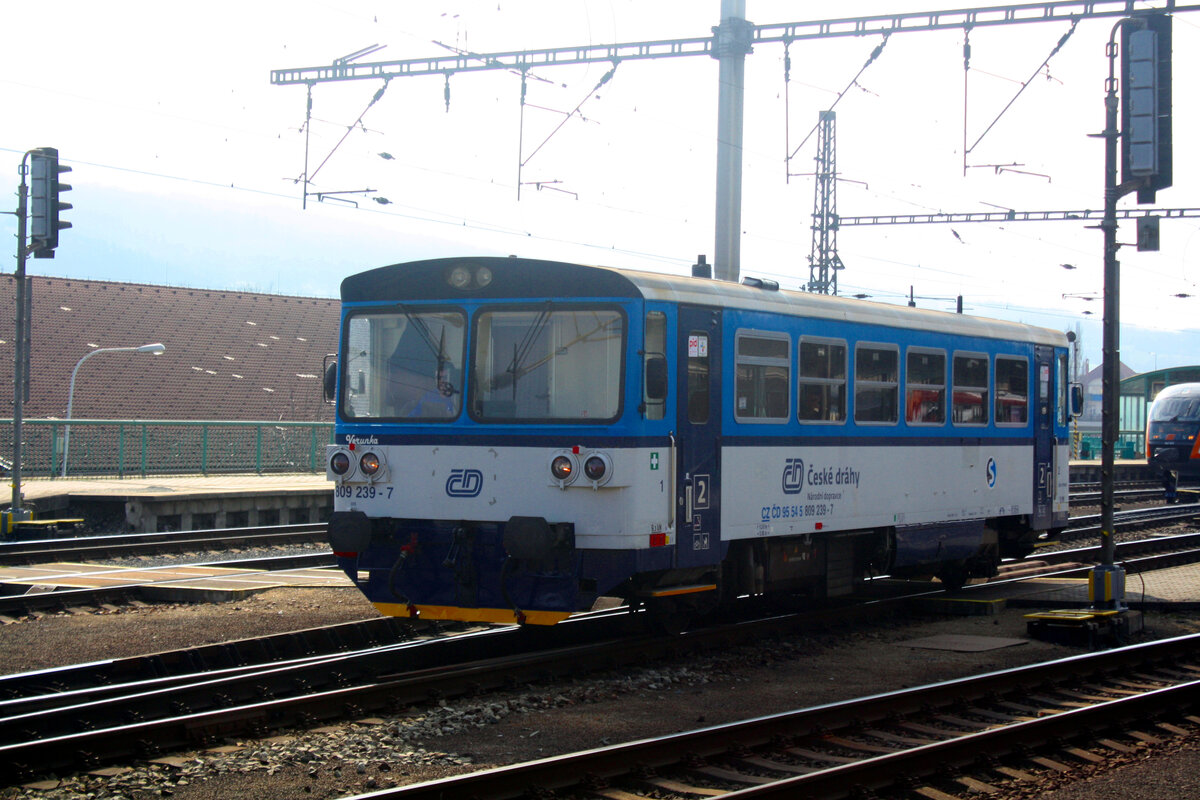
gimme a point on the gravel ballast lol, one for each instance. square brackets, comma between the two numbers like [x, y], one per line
[431, 741]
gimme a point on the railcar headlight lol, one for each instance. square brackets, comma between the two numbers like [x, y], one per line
[460, 277]
[339, 464]
[483, 277]
[369, 463]
[562, 468]
[595, 468]
[598, 468]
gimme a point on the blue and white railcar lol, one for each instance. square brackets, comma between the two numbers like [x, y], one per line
[516, 438]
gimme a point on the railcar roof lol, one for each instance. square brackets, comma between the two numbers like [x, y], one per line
[1178, 390]
[699, 291]
[533, 278]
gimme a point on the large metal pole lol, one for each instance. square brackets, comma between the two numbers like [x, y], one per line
[1106, 583]
[16, 512]
[732, 43]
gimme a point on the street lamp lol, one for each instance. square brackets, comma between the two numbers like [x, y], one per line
[155, 349]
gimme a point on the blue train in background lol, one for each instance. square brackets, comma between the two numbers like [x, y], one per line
[1173, 436]
[517, 438]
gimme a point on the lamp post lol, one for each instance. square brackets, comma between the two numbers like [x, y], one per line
[155, 349]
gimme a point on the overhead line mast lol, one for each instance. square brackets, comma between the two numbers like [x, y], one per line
[731, 41]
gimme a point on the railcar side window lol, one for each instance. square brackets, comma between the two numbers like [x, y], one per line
[1064, 387]
[876, 383]
[654, 344]
[547, 364]
[925, 387]
[970, 406]
[404, 366]
[1012, 390]
[822, 383]
[697, 378]
[763, 376]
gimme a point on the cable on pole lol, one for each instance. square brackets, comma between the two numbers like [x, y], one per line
[1024, 86]
[349, 128]
[853, 82]
[523, 160]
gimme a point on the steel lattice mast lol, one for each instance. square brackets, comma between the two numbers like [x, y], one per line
[823, 260]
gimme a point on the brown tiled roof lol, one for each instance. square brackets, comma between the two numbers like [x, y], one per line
[230, 355]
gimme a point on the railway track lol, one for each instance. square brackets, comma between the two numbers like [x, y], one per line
[968, 735]
[1088, 526]
[93, 548]
[93, 714]
[14, 605]
[51, 731]
[1090, 498]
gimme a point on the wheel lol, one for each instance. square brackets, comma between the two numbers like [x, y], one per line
[954, 576]
[669, 616]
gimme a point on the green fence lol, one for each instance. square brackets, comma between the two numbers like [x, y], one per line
[126, 447]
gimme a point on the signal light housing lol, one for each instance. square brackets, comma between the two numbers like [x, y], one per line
[45, 201]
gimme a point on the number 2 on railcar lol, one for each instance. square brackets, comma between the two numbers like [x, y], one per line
[518, 438]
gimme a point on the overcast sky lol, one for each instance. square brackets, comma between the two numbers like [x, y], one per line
[186, 160]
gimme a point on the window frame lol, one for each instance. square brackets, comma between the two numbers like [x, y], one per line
[987, 389]
[803, 381]
[762, 361]
[877, 385]
[996, 391]
[909, 385]
[475, 412]
[347, 384]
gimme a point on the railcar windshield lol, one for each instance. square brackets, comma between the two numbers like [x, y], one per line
[547, 364]
[405, 365]
[1181, 408]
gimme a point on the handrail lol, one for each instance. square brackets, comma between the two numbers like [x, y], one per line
[120, 447]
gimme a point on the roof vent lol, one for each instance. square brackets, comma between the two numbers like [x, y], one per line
[761, 283]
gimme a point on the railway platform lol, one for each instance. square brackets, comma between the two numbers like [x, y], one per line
[1171, 589]
[190, 502]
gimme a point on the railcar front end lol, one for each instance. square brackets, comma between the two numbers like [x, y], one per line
[491, 461]
[1172, 428]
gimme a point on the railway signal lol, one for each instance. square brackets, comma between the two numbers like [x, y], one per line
[45, 201]
[1146, 104]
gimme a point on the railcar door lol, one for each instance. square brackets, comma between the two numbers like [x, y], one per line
[1043, 439]
[698, 474]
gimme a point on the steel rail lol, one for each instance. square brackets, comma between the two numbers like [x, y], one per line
[350, 684]
[187, 663]
[46, 714]
[1089, 524]
[443, 668]
[611, 764]
[29, 551]
[1129, 495]
[92, 680]
[67, 598]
